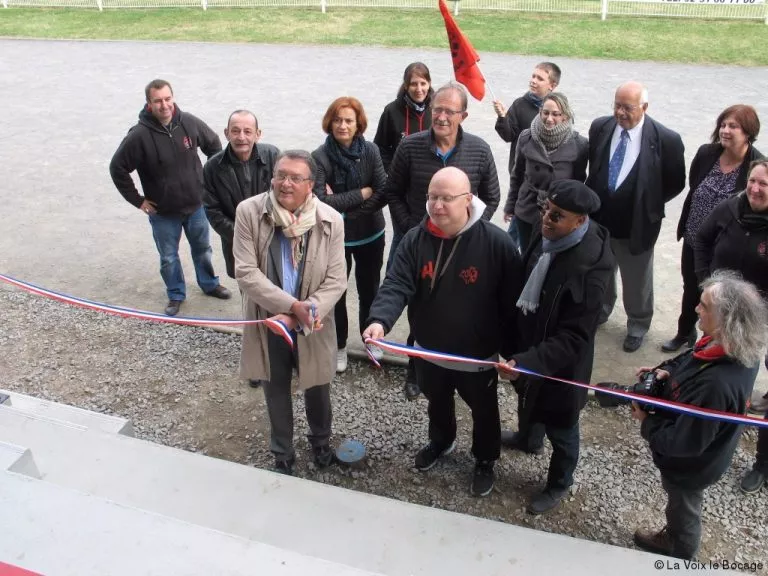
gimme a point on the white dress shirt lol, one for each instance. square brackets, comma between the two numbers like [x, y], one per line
[633, 148]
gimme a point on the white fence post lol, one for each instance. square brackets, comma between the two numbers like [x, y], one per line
[5, 5]
[603, 9]
[204, 3]
[322, 6]
[99, 3]
[456, 7]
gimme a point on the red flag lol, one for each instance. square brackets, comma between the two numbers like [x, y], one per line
[464, 56]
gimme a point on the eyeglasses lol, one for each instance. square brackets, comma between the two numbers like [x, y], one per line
[434, 198]
[547, 114]
[446, 111]
[554, 215]
[292, 178]
[625, 107]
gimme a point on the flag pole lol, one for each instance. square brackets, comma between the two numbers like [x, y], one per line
[490, 89]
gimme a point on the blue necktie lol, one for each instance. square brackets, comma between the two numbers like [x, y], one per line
[614, 166]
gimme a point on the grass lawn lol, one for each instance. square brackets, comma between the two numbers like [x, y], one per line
[578, 36]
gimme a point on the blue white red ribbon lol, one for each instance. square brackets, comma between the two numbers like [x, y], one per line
[143, 314]
[697, 411]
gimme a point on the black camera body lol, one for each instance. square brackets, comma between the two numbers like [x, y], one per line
[647, 385]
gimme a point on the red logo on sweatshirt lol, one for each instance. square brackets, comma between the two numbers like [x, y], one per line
[187, 143]
[428, 270]
[469, 275]
[762, 249]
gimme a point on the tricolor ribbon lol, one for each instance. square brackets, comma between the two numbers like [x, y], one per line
[143, 314]
[442, 357]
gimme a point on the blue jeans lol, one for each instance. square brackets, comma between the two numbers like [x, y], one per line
[166, 231]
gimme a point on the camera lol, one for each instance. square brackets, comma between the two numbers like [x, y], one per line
[648, 385]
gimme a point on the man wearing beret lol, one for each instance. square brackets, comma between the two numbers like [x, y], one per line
[568, 268]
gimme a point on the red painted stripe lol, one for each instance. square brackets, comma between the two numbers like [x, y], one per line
[8, 570]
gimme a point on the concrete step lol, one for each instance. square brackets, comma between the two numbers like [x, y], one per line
[66, 413]
[17, 459]
[367, 532]
[59, 531]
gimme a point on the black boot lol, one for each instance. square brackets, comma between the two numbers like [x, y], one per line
[677, 342]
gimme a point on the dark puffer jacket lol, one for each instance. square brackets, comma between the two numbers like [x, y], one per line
[167, 162]
[223, 191]
[398, 121]
[362, 218]
[416, 161]
[518, 118]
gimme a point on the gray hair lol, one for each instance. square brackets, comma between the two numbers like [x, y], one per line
[741, 315]
[302, 155]
[456, 87]
[242, 112]
[562, 103]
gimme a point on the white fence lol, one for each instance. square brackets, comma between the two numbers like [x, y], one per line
[713, 9]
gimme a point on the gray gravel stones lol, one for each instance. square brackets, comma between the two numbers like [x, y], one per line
[179, 387]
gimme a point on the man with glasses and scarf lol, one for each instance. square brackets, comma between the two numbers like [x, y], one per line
[568, 268]
[459, 276]
[419, 156]
[289, 263]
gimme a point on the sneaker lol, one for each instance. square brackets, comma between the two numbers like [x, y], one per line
[428, 456]
[657, 542]
[285, 466]
[514, 441]
[220, 292]
[376, 352]
[752, 482]
[341, 360]
[547, 500]
[172, 308]
[482, 478]
[324, 456]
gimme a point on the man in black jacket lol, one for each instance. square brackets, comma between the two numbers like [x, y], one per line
[162, 148]
[419, 156]
[691, 452]
[459, 276]
[243, 169]
[636, 165]
[569, 267]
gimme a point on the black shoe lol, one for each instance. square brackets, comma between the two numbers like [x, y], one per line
[678, 341]
[633, 343]
[285, 466]
[514, 441]
[172, 308]
[324, 456]
[428, 456]
[220, 292]
[411, 390]
[547, 500]
[483, 478]
[657, 542]
[752, 482]
[256, 383]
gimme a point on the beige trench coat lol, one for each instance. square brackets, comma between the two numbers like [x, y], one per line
[323, 281]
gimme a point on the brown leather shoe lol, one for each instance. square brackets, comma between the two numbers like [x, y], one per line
[220, 292]
[657, 542]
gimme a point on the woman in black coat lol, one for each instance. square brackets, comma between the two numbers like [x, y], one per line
[351, 178]
[735, 236]
[718, 171]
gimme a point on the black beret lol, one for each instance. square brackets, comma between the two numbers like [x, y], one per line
[573, 196]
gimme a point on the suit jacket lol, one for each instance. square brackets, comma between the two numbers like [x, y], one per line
[323, 281]
[660, 176]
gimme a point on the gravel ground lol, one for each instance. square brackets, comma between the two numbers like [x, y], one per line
[179, 387]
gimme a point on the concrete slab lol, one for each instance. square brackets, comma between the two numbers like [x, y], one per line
[66, 413]
[63, 532]
[350, 528]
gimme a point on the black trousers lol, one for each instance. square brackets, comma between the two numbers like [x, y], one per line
[683, 519]
[761, 460]
[478, 390]
[368, 261]
[691, 293]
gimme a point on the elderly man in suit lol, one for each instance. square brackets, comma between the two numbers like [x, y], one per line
[636, 165]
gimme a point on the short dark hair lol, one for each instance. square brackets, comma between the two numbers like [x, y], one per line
[156, 84]
[302, 155]
[552, 69]
[345, 102]
[747, 118]
[415, 69]
[238, 112]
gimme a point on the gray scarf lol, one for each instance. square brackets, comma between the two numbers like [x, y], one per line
[551, 138]
[529, 298]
